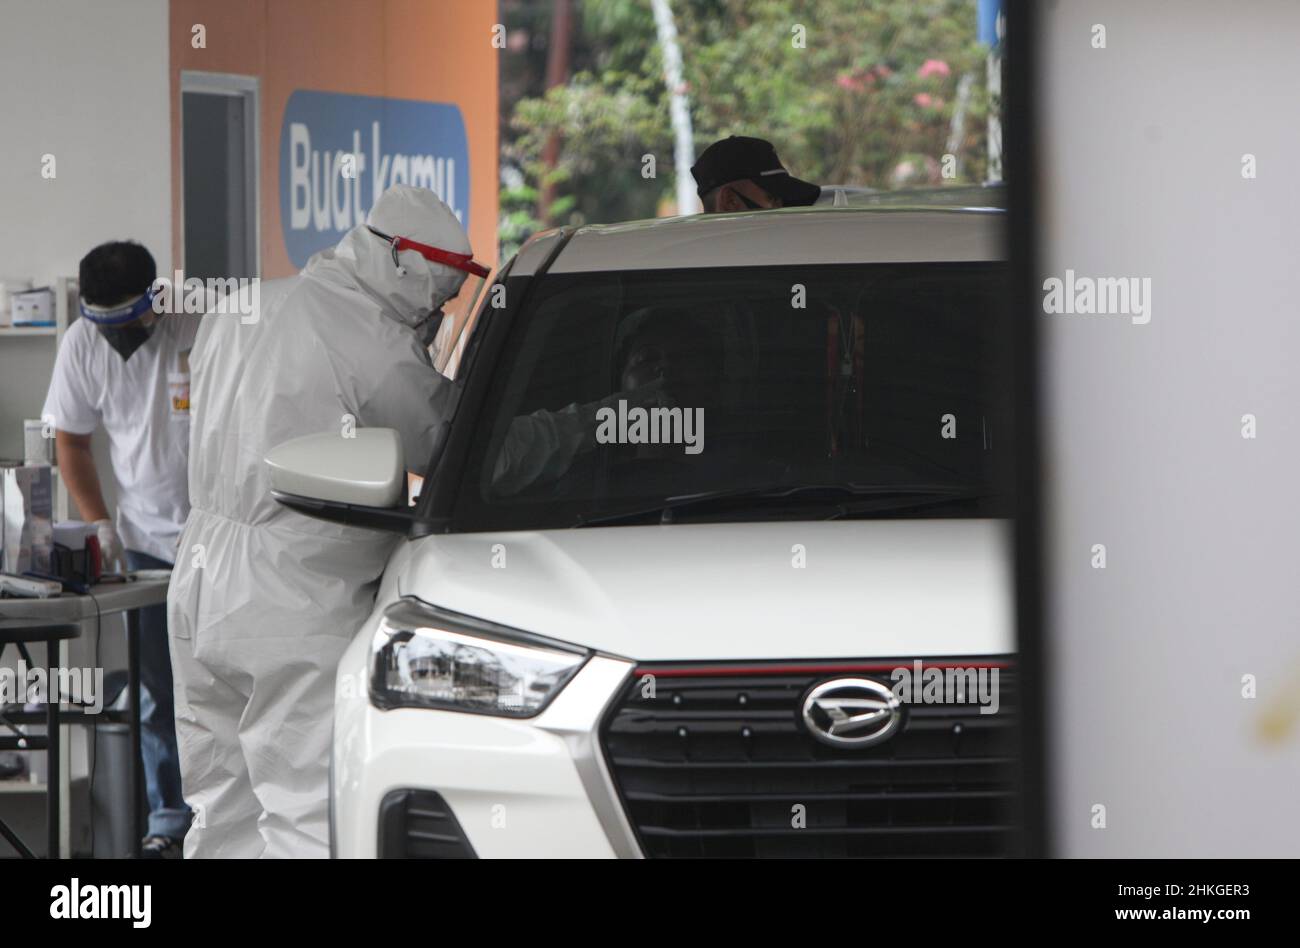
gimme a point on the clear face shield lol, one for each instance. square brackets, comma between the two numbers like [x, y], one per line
[453, 331]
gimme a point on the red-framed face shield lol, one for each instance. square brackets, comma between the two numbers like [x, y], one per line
[458, 261]
[447, 325]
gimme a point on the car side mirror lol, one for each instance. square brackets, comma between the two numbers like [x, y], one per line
[358, 480]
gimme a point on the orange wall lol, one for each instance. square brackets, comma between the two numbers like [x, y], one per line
[430, 50]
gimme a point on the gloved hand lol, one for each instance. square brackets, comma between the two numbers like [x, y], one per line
[540, 447]
[110, 547]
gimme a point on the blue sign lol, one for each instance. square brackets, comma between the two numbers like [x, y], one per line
[987, 19]
[339, 152]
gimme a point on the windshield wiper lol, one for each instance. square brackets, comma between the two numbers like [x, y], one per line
[843, 499]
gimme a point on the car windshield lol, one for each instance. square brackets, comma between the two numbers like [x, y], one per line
[742, 393]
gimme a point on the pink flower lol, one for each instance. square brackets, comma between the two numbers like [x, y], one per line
[855, 81]
[923, 100]
[933, 67]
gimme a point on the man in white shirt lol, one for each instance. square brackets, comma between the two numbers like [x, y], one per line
[126, 368]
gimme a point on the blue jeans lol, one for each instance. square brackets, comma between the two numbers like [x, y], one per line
[168, 813]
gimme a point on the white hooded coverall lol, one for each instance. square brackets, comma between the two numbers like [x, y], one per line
[263, 600]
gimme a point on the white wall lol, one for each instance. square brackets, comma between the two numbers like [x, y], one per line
[87, 82]
[1140, 165]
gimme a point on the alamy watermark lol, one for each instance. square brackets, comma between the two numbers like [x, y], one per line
[657, 425]
[36, 685]
[237, 296]
[921, 684]
[133, 902]
[1098, 296]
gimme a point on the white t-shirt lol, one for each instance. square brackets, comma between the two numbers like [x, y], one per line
[144, 404]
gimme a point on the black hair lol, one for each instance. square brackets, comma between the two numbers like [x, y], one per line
[115, 272]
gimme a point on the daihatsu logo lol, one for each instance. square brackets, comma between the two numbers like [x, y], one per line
[852, 712]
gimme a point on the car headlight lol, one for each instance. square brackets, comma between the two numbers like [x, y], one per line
[425, 657]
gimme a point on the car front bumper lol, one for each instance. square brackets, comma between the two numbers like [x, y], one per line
[678, 759]
[519, 788]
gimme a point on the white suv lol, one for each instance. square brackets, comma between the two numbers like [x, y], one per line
[713, 489]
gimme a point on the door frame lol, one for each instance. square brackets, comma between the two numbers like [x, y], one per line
[249, 89]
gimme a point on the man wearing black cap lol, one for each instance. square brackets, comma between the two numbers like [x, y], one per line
[739, 174]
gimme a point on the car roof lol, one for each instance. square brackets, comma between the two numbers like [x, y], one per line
[991, 194]
[803, 235]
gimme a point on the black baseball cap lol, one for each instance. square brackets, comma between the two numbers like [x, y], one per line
[755, 159]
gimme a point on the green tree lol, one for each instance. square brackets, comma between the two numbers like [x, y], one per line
[866, 100]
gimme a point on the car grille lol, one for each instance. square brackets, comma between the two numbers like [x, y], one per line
[717, 761]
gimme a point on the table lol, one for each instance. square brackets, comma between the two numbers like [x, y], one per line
[52, 637]
[102, 600]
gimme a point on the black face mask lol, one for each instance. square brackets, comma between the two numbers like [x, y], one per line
[126, 339]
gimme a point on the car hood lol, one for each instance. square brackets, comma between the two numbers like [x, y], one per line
[689, 592]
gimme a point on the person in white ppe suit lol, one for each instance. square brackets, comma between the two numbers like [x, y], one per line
[263, 599]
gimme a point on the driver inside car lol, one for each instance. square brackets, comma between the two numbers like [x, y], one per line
[662, 357]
